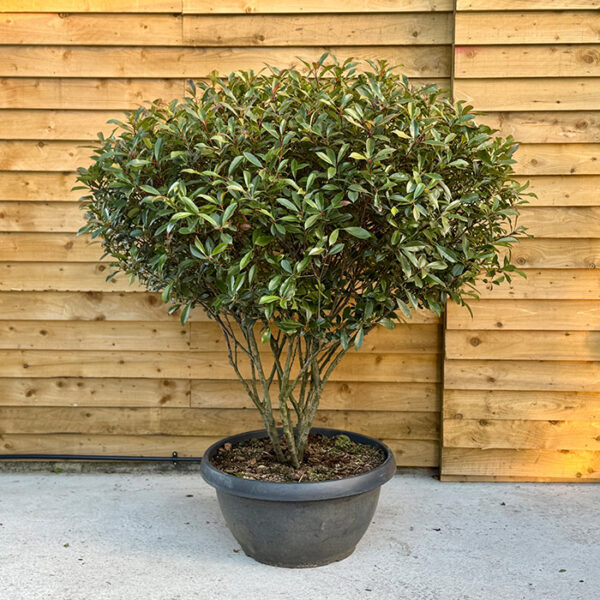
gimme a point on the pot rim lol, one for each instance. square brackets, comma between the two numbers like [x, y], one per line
[294, 491]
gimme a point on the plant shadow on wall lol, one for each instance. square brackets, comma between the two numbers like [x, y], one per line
[300, 210]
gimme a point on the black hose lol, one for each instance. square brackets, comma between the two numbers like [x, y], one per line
[174, 458]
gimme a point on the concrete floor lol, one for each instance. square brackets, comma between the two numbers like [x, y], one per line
[153, 536]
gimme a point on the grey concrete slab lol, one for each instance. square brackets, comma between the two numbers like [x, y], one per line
[153, 536]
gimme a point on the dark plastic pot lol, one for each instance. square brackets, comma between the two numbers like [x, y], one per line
[298, 524]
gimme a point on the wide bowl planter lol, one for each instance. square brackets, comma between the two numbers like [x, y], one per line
[298, 524]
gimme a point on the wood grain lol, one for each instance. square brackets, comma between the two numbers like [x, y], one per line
[387, 29]
[85, 92]
[101, 6]
[547, 284]
[19, 124]
[564, 190]
[90, 29]
[204, 422]
[312, 6]
[41, 216]
[523, 345]
[547, 127]
[557, 465]
[581, 60]
[539, 253]
[542, 435]
[94, 391]
[159, 62]
[525, 4]
[564, 27]
[520, 375]
[524, 405]
[558, 159]
[95, 335]
[410, 368]
[51, 247]
[36, 187]
[582, 315]
[530, 94]
[366, 396]
[407, 338]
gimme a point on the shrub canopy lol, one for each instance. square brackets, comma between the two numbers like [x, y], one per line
[323, 203]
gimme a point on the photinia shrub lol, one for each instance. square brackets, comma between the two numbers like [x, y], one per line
[302, 209]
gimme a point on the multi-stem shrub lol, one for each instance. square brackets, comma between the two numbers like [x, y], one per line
[305, 207]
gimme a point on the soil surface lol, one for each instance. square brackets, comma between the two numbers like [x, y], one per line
[325, 458]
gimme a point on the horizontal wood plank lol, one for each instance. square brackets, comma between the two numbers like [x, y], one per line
[43, 156]
[582, 315]
[547, 127]
[95, 6]
[523, 405]
[51, 247]
[372, 396]
[550, 435]
[564, 27]
[85, 92]
[19, 124]
[558, 159]
[50, 276]
[159, 62]
[29, 186]
[86, 306]
[539, 253]
[530, 94]
[318, 30]
[95, 335]
[312, 6]
[564, 222]
[405, 338]
[205, 422]
[91, 29]
[564, 465]
[41, 216]
[94, 391]
[547, 284]
[523, 345]
[562, 376]
[580, 60]
[417, 368]
[526, 4]
[564, 190]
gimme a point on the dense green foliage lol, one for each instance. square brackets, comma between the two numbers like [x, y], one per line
[315, 204]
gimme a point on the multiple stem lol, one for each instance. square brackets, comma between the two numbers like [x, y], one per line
[300, 368]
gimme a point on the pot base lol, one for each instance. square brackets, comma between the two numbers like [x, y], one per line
[298, 534]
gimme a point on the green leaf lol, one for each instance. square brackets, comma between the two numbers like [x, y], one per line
[235, 161]
[246, 259]
[358, 340]
[404, 308]
[358, 232]
[150, 190]
[185, 313]
[251, 158]
[326, 158]
[268, 299]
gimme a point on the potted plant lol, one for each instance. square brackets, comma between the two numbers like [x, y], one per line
[300, 210]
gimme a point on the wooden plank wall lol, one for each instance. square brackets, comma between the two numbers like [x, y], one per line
[91, 367]
[522, 379]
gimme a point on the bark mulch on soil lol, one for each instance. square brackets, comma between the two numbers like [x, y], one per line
[325, 458]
